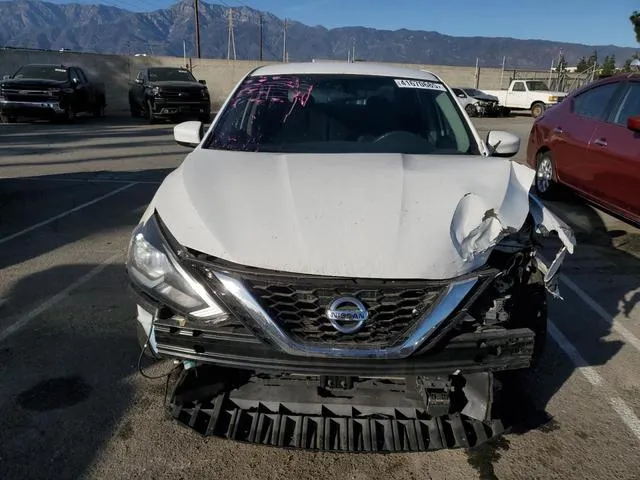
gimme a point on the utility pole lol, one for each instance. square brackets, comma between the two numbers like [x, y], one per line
[231, 42]
[261, 20]
[284, 42]
[196, 8]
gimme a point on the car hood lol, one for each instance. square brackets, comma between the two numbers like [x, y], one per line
[488, 98]
[176, 84]
[31, 83]
[355, 215]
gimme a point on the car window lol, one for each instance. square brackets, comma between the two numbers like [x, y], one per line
[537, 86]
[319, 113]
[45, 72]
[594, 102]
[81, 75]
[630, 105]
[519, 87]
[170, 74]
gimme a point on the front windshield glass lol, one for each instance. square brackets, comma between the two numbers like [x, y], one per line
[44, 72]
[170, 74]
[537, 85]
[342, 114]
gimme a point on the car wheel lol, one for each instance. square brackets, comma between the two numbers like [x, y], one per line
[69, 114]
[8, 119]
[471, 110]
[537, 109]
[98, 111]
[545, 174]
[149, 112]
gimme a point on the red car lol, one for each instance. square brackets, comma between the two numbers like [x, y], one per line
[590, 142]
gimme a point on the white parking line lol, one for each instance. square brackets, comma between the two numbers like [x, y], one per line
[625, 413]
[51, 301]
[621, 330]
[64, 214]
[616, 326]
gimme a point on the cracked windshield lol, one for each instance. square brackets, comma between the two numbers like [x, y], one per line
[319, 239]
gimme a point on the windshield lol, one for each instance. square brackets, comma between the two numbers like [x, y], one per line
[170, 74]
[342, 114]
[44, 72]
[537, 85]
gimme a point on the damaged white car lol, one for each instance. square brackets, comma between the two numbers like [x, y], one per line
[342, 263]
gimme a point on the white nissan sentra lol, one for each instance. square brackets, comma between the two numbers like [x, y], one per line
[341, 245]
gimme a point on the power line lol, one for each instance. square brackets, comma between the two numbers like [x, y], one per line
[197, 20]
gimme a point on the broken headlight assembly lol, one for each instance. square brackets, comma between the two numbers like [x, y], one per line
[154, 268]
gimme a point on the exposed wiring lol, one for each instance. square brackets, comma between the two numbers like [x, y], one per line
[144, 348]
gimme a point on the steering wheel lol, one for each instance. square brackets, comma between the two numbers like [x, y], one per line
[397, 135]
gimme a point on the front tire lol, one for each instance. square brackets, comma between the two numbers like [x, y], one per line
[545, 175]
[471, 110]
[537, 109]
[8, 119]
[151, 118]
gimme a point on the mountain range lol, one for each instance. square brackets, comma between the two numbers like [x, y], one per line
[106, 29]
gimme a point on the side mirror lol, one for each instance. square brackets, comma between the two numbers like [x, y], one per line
[188, 134]
[203, 82]
[633, 124]
[503, 144]
[139, 81]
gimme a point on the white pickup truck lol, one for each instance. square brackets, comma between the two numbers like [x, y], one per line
[533, 95]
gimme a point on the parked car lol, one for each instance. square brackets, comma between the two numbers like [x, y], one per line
[476, 102]
[341, 256]
[169, 93]
[591, 144]
[50, 91]
[532, 95]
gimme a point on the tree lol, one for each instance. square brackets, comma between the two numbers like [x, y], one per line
[609, 65]
[582, 65]
[627, 64]
[593, 59]
[635, 21]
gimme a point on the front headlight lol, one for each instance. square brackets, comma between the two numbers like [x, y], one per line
[553, 99]
[156, 90]
[205, 93]
[154, 268]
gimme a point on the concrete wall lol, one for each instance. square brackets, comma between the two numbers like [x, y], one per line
[118, 71]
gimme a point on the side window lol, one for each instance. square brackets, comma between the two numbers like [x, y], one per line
[73, 74]
[630, 105]
[81, 75]
[519, 87]
[594, 102]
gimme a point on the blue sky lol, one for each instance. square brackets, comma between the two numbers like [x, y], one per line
[597, 22]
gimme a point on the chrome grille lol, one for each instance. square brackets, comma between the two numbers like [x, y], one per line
[300, 310]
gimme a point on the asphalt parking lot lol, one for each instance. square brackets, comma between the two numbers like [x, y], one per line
[73, 405]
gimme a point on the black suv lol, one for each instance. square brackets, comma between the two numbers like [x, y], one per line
[168, 93]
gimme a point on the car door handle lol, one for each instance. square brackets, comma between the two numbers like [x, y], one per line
[601, 141]
[558, 130]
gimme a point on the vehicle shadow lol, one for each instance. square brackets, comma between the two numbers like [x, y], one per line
[600, 251]
[26, 202]
[69, 376]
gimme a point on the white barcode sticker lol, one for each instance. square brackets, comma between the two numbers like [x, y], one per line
[404, 83]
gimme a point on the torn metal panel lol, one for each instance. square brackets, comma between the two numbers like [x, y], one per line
[546, 222]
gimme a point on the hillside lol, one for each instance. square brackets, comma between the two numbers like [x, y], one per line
[105, 29]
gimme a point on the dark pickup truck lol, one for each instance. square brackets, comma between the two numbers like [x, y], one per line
[167, 93]
[50, 91]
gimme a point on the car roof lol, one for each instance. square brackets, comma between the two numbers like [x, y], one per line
[346, 68]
